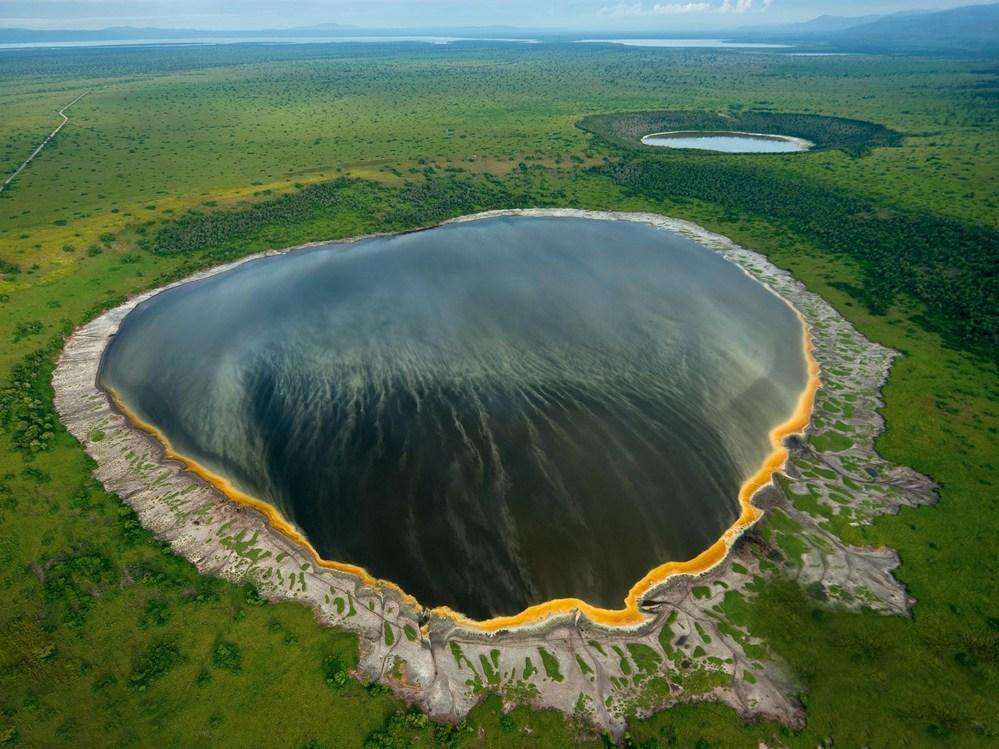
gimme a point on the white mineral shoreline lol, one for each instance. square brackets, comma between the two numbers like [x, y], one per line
[438, 655]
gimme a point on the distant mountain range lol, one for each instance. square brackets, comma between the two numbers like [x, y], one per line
[115, 33]
[820, 25]
[319, 31]
[968, 30]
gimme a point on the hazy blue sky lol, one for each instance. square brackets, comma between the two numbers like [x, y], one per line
[572, 14]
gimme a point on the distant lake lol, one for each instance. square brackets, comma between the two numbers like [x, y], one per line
[684, 43]
[727, 142]
[261, 40]
[491, 413]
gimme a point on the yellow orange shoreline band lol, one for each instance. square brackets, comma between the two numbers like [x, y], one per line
[631, 614]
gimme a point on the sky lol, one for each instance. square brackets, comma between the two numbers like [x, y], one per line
[528, 14]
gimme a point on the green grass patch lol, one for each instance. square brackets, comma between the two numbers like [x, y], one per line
[551, 665]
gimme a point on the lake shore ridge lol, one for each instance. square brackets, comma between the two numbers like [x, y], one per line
[242, 544]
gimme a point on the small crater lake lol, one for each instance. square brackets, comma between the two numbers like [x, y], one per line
[728, 142]
[491, 413]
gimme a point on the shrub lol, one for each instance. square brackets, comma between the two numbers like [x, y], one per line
[227, 656]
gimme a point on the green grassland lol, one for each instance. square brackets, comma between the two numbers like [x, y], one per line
[180, 158]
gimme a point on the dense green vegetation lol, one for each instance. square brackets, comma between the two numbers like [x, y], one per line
[851, 136]
[421, 203]
[181, 158]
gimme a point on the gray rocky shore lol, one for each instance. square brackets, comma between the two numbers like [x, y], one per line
[686, 647]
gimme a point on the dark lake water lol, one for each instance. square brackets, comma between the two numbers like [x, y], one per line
[490, 414]
[728, 142]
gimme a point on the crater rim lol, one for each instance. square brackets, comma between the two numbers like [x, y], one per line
[632, 613]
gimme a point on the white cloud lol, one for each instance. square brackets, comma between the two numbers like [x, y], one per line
[667, 9]
[639, 10]
[623, 10]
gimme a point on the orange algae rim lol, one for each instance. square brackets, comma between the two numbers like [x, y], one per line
[631, 614]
